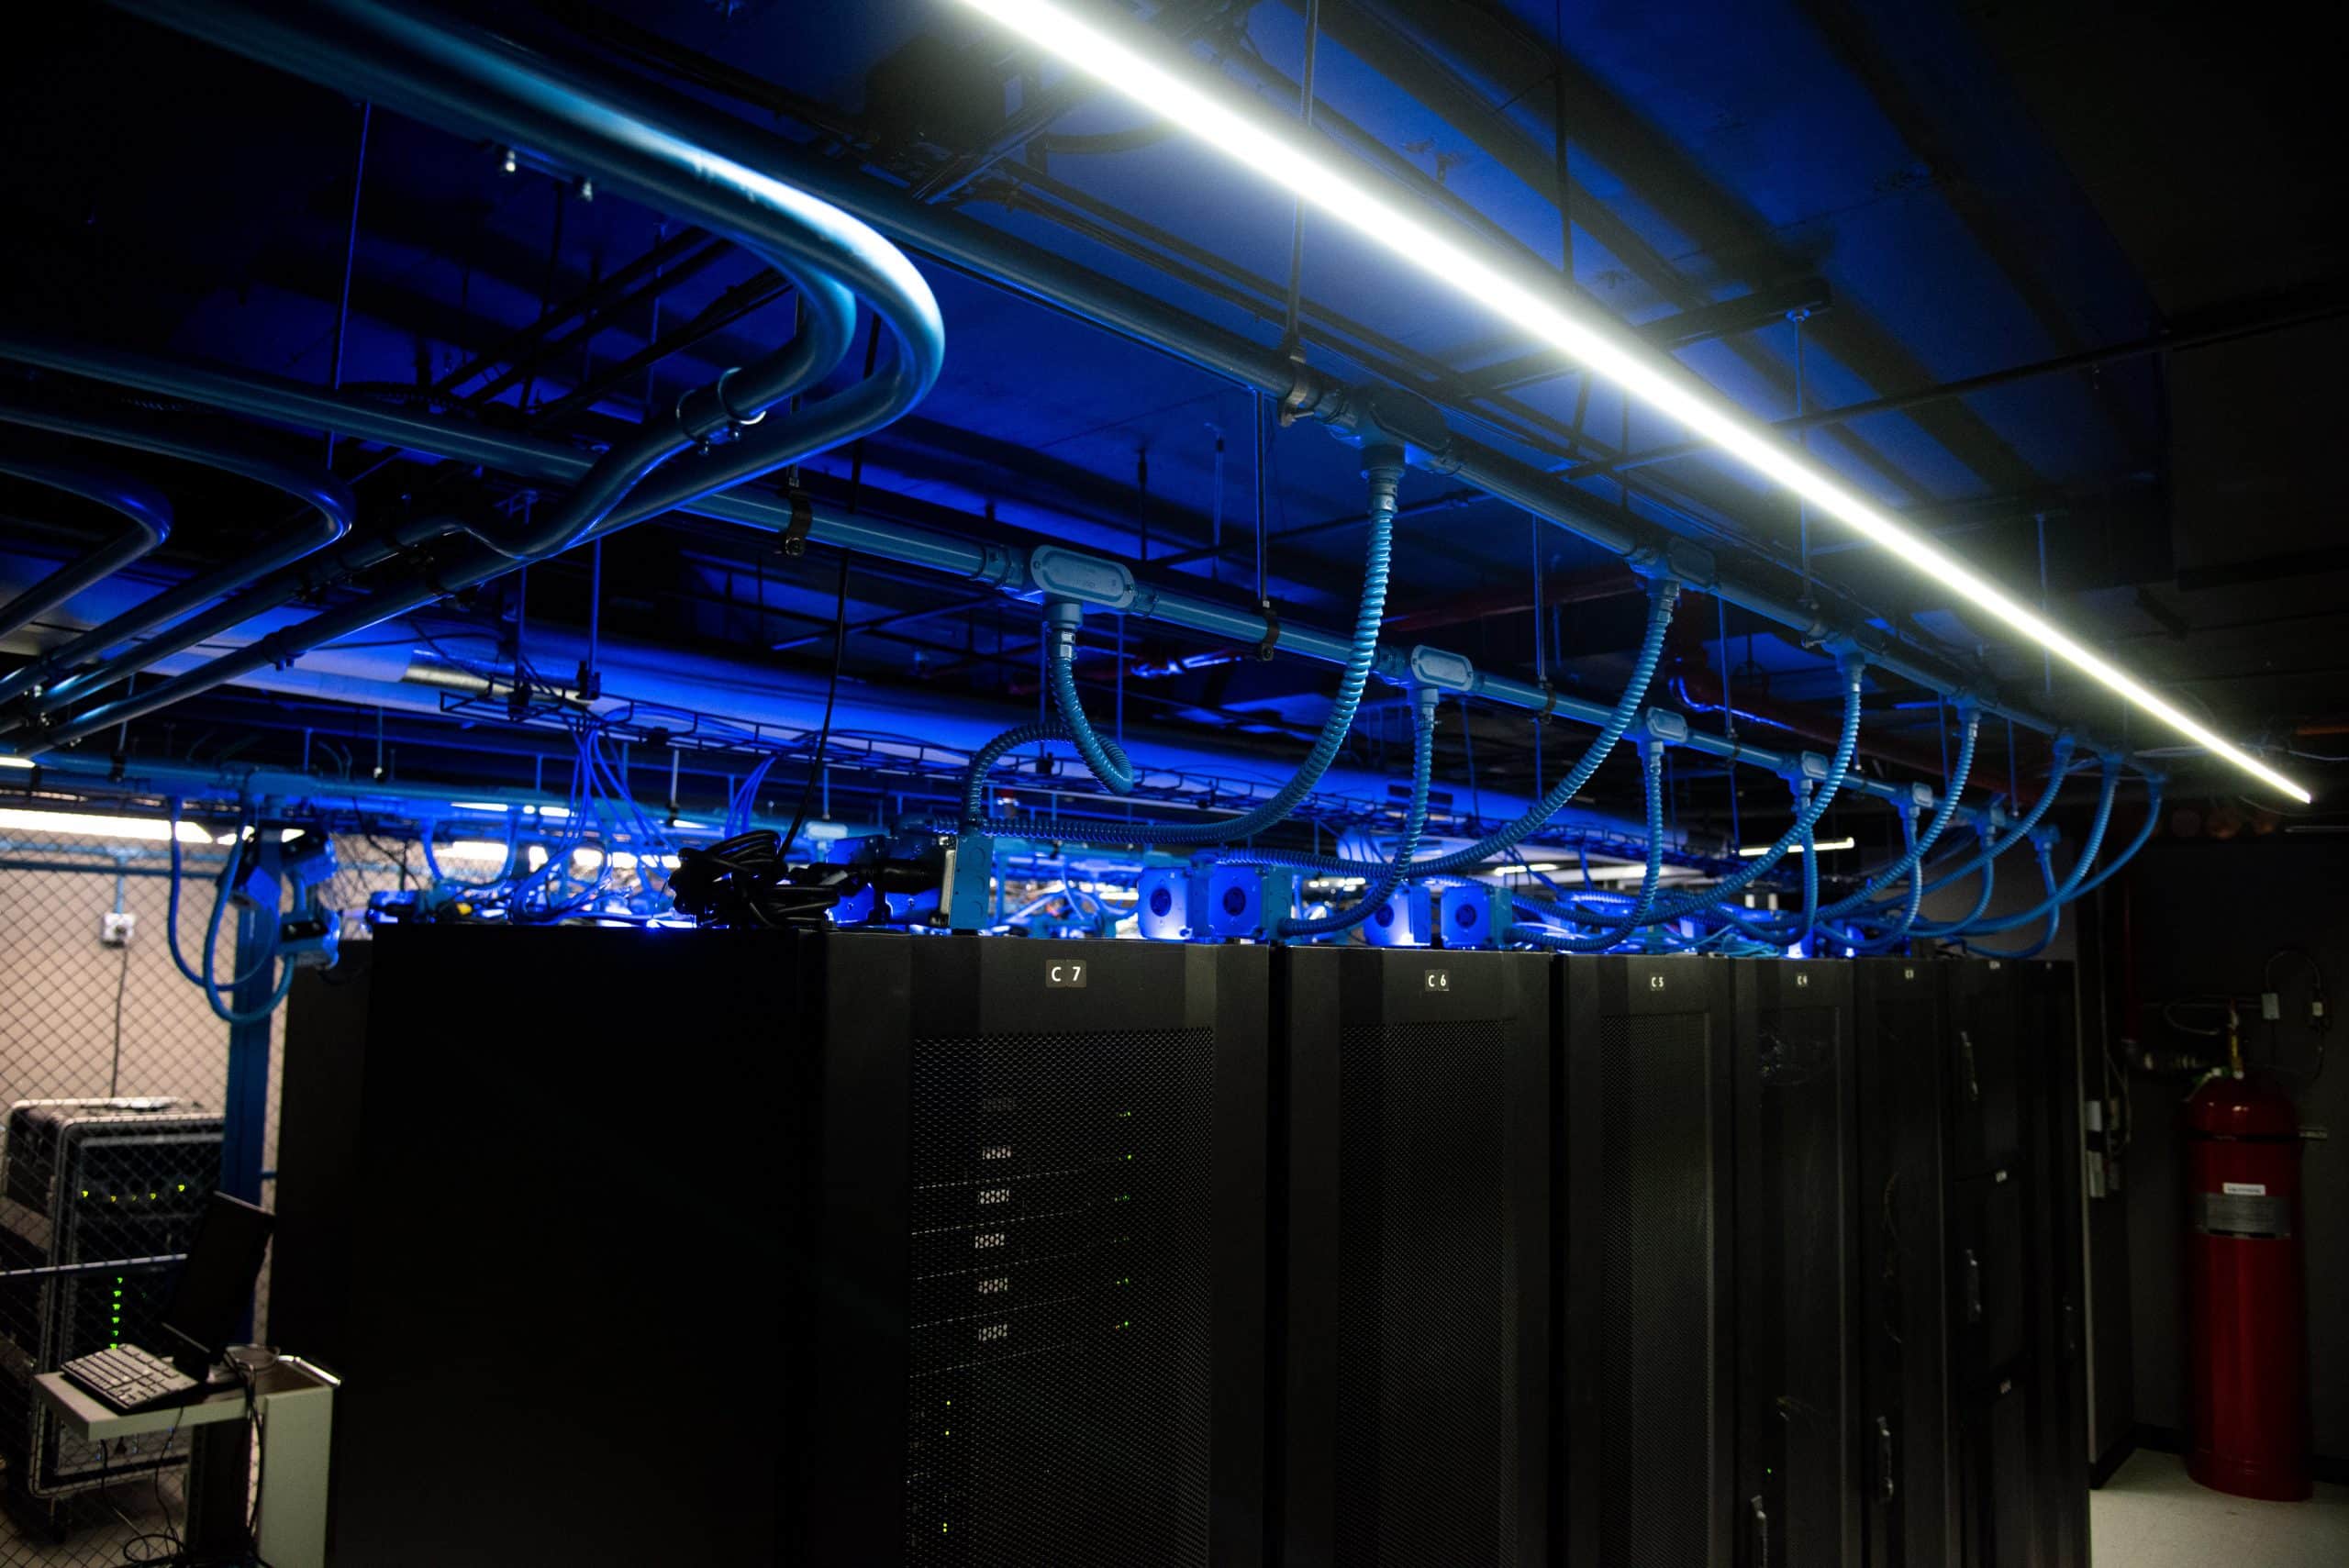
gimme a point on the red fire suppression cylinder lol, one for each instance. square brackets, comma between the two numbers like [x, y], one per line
[2246, 1318]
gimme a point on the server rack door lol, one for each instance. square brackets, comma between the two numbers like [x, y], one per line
[1415, 1393]
[1903, 1410]
[2059, 1391]
[1994, 1470]
[554, 1230]
[1647, 1362]
[1045, 1239]
[1988, 1266]
[1793, 1096]
[1984, 1065]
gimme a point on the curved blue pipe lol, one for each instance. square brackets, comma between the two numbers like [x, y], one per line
[1992, 847]
[1383, 467]
[146, 513]
[1846, 741]
[327, 497]
[2059, 895]
[447, 70]
[1917, 846]
[1614, 930]
[1662, 594]
[1424, 701]
[453, 75]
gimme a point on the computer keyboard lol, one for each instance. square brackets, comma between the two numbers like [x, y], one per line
[129, 1379]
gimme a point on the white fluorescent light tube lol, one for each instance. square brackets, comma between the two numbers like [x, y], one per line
[471, 849]
[1755, 851]
[1278, 153]
[18, 762]
[84, 825]
[1542, 867]
[480, 805]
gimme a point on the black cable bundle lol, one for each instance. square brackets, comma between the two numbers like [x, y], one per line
[743, 880]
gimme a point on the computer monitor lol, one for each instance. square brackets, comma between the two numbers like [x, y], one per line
[216, 1287]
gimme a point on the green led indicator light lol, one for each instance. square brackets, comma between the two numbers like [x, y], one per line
[1129, 1156]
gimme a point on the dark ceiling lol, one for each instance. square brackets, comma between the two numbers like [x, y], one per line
[1942, 192]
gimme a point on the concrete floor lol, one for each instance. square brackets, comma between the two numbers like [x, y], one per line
[2150, 1515]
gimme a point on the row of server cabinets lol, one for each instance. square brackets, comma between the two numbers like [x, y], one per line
[965, 1252]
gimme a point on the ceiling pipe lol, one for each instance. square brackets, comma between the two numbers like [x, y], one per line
[1301, 392]
[327, 497]
[1008, 568]
[147, 519]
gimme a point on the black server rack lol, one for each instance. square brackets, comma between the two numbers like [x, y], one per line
[1648, 1358]
[1795, 1266]
[1415, 1402]
[2048, 1026]
[1989, 1204]
[1903, 1410]
[101, 1191]
[936, 1250]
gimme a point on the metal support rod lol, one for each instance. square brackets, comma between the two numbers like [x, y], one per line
[350, 258]
[1297, 220]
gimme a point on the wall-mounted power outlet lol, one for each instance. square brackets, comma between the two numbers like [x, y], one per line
[115, 928]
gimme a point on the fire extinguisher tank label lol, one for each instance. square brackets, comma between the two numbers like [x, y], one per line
[2237, 1213]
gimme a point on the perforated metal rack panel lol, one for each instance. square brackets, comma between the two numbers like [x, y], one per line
[1427, 1407]
[1792, 1091]
[1903, 1401]
[1658, 1387]
[1059, 1341]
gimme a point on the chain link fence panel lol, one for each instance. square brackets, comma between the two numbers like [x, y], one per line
[113, 1072]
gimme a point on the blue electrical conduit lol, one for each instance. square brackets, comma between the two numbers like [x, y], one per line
[281, 586]
[1916, 847]
[1851, 665]
[1786, 930]
[2051, 908]
[203, 978]
[1897, 932]
[1993, 847]
[1022, 267]
[1424, 702]
[1613, 930]
[1663, 593]
[280, 400]
[1383, 468]
[448, 74]
[147, 516]
[327, 497]
[2089, 848]
[975, 772]
[446, 70]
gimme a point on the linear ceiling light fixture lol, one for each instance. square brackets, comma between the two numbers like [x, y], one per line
[1275, 151]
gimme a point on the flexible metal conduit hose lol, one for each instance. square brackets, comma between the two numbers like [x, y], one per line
[451, 73]
[1383, 468]
[1993, 847]
[147, 516]
[326, 498]
[1851, 666]
[1613, 930]
[1424, 700]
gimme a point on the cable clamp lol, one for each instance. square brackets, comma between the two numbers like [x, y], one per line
[1272, 640]
[1549, 701]
[739, 421]
[803, 517]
